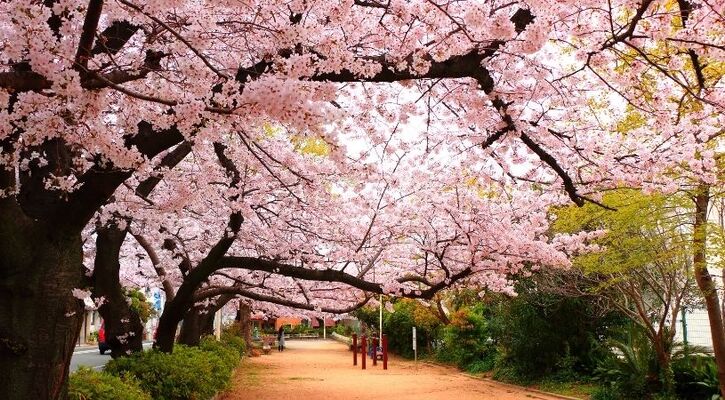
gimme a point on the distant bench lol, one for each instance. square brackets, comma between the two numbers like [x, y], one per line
[302, 335]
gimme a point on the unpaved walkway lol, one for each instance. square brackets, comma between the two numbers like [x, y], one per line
[323, 370]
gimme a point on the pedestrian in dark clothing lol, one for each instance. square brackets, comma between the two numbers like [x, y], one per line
[280, 339]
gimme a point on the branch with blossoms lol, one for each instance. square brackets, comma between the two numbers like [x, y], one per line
[211, 291]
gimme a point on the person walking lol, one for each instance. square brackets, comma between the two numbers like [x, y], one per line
[280, 339]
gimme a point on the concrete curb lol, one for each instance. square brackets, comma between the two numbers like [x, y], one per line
[557, 395]
[523, 388]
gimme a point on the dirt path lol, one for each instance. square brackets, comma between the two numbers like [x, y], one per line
[323, 370]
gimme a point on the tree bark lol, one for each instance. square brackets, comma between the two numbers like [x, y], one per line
[663, 359]
[191, 327]
[40, 265]
[245, 323]
[199, 321]
[177, 308]
[706, 284]
[124, 329]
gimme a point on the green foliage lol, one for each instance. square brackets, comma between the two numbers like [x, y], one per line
[606, 393]
[140, 305]
[233, 336]
[344, 330]
[305, 329]
[644, 230]
[235, 342]
[87, 384]
[229, 355]
[467, 341]
[631, 369]
[399, 324]
[540, 334]
[188, 373]
[696, 377]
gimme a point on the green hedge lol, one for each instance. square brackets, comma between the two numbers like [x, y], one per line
[87, 384]
[189, 373]
[235, 342]
[467, 341]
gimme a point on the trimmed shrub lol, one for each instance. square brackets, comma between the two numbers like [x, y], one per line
[188, 373]
[229, 355]
[87, 384]
[235, 342]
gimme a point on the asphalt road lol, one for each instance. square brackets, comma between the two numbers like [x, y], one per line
[91, 357]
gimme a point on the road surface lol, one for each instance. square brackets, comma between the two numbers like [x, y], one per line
[91, 357]
[323, 370]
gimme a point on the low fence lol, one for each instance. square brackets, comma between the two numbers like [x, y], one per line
[302, 335]
[341, 339]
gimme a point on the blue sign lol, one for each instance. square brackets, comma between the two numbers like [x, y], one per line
[157, 301]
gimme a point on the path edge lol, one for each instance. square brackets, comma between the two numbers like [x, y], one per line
[511, 385]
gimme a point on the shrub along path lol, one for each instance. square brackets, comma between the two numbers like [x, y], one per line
[323, 370]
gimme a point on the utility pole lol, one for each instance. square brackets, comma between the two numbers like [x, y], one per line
[380, 331]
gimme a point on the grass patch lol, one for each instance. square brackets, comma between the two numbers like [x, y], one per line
[250, 374]
[581, 390]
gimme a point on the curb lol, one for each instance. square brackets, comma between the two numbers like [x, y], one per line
[523, 388]
[528, 389]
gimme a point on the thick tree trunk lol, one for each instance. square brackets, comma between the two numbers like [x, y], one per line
[124, 329]
[245, 323]
[177, 308]
[40, 319]
[663, 360]
[191, 327]
[206, 326]
[706, 284]
[199, 322]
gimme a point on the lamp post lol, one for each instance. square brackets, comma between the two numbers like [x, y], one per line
[380, 331]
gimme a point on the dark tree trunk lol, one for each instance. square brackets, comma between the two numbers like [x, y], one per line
[124, 329]
[245, 323]
[206, 324]
[663, 360]
[40, 265]
[707, 284]
[177, 308]
[191, 327]
[199, 322]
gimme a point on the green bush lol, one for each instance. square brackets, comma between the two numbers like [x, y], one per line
[540, 334]
[235, 342]
[229, 355]
[187, 374]
[606, 393]
[399, 326]
[631, 367]
[344, 330]
[140, 305]
[467, 341]
[87, 384]
[696, 377]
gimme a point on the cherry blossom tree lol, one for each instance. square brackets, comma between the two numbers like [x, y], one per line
[476, 101]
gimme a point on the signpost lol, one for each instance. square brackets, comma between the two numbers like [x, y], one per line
[415, 347]
[218, 325]
[385, 351]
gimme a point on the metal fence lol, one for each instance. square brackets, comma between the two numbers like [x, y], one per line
[693, 327]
